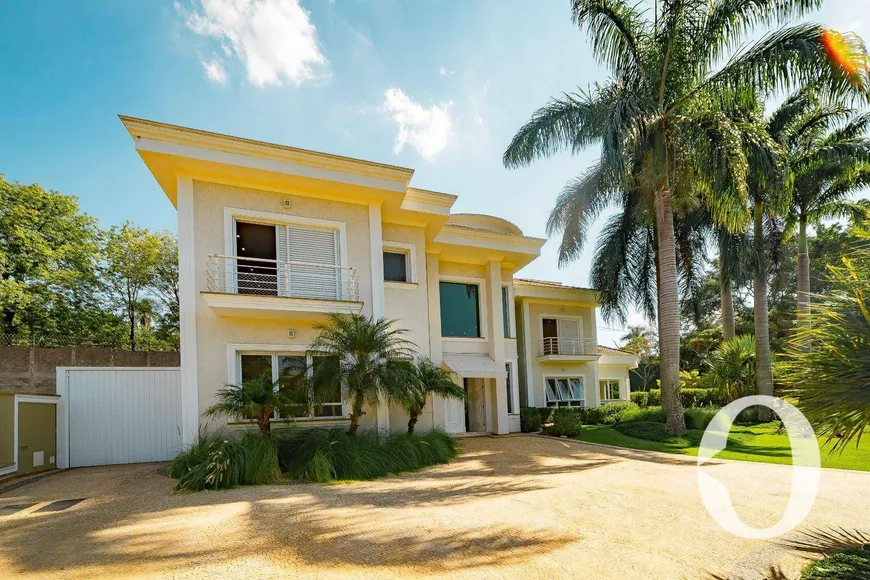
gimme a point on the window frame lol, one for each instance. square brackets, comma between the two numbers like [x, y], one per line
[569, 402]
[481, 307]
[234, 375]
[512, 389]
[508, 308]
[610, 382]
[410, 252]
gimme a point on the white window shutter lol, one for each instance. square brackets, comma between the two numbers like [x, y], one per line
[313, 246]
[283, 254]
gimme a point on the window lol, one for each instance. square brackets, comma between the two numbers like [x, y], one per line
[396, 267]
[506, 311]
[561, 336]
[460, 310]
[609, 389]
[289, 371]
[510, 389]
[565, 392]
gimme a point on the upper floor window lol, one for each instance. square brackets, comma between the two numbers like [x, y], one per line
[396, 267]
[460, 310]
[561, 336]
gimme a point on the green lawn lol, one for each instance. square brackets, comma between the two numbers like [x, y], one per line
[759, 443]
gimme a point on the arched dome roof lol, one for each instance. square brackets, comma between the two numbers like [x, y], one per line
[488, 223]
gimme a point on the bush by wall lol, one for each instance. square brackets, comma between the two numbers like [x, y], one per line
[546, 414]
[530, 420]
[224, 462]
[566, 422]
[640, 398]
[654, 414]
[606, 414]
[325, 455]
[699, 417]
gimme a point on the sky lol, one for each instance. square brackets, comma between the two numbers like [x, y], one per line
[438, 86]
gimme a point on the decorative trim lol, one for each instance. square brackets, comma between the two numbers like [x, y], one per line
[400, 285]
[227, 304]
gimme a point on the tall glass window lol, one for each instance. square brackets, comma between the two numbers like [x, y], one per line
[460, 310]
[506, 311]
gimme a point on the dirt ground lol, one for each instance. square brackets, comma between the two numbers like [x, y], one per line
[517, 507]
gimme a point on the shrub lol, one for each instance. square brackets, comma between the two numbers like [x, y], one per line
[546, 414]
[640, 398]
[689, 397]
[650, 431]
[848, 565]
[699, 417]
[219, 462]
[607, 414]
[751, 415]
[654, 414]
[530, 420]
[325, 455]
[732, 368]
[566, 422]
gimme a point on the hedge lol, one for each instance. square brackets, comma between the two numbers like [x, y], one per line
[606, 414]
[690, 397]
[530, 419]
[567, 422]
[640, 398]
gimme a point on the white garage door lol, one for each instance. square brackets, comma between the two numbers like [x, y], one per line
[124, 415]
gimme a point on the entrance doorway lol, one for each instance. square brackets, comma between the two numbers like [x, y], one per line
[475, 405]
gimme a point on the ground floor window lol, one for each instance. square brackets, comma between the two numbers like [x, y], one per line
[289, 370]
[565, 392]
[608, 389]
[511, 405]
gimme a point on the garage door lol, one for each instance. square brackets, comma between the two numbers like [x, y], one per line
[121, 415]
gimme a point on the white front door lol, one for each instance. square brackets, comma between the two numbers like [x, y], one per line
[476, 405]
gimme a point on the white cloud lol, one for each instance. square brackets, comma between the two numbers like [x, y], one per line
[444, 72]
[425, 129]
[479, 121]
[215, 71]
[275, 39]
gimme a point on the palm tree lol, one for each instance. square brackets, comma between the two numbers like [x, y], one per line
[659, 127]
[427, 379]
[369, 358]
[831, 380]
[732, 367]
[257, 400]
[829, 154]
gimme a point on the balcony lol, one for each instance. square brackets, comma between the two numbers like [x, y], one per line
[258, 288]
[558, 349]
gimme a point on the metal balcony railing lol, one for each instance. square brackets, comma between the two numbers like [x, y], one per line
[259, 277]
[567, 346]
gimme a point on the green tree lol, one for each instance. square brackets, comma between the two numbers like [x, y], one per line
[372, 361]
[165, 282]
[732, 367]
[427, 379]
[49, 254]
[659, 126]
[827, 363]
[132, 255]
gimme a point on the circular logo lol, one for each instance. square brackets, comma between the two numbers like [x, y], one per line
[805, 476]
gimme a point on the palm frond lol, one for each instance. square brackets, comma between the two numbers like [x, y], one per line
[617, 30]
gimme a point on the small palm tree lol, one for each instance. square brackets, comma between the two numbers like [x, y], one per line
[732, 367]
[370, 361]
[257, 400]
[427, 378]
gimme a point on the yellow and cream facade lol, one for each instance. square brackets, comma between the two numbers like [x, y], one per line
[273, 238]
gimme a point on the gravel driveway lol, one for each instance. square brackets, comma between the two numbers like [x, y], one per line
[513, 507]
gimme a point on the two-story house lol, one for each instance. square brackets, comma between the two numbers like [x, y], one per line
[273, 238]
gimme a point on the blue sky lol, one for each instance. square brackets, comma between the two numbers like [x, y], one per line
[436, 86]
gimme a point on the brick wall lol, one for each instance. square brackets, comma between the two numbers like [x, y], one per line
[25, 369]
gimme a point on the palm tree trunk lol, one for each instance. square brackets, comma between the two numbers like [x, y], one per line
[763, 370]
[727, 299]
[803, 272]
[412, 421]
[669, 313]
[354, 417]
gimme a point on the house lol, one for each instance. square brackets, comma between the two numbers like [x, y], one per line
[273, 238]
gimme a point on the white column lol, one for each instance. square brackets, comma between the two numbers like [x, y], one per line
[529, 356]
[495, 332]
[433, 296]
[187, 311]
[378, 310]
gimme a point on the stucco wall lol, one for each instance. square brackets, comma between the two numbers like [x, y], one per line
[7, 429]
[616, 372]
[37, 431]
[213, 333]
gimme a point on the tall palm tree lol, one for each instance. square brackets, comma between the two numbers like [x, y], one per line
[828, 147]
[658, 125]
[369, 358]
[427, 378]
